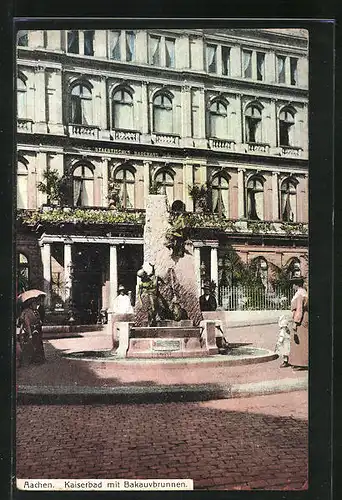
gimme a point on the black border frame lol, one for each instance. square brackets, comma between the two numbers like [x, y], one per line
[321, 180]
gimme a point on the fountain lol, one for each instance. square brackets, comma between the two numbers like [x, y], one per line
[167, 321]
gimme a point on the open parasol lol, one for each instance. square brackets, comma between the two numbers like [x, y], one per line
[30, 294]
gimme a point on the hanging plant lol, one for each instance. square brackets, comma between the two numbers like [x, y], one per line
[55, 187]
[200, 197]
[114, 198]
[155, 187]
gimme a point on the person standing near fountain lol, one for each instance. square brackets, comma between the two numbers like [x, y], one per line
[122, 303]
[207, 300]
[298, 358]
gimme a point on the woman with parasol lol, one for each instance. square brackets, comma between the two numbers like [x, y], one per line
[30, 322]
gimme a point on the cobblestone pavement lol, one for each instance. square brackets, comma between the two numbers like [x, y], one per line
[252, 443]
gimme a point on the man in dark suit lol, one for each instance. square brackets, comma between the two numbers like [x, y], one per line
[207, 300]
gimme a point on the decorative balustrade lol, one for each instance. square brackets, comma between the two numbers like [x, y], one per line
[125, 135]
[169, 139]
[226, 144]
[258, 147]
[84, 131]
[291, 151]
[24, 125]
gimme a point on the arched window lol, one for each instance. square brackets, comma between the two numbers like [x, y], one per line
[288, 200]
[162, 114]
[83, 186]
[122, 110]
[220, 194]
[23, 273]
[255, 199]
[286, 127]
[253, 124]
[81, 105]
[166, 182]
[21, 98]
[218, 122]
[22, 185]
[124, 178]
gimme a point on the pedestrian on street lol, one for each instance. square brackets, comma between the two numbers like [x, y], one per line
[122, 303]
[284, 339]
[30, 335]
[299, 348]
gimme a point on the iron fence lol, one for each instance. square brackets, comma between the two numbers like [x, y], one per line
[239, 298]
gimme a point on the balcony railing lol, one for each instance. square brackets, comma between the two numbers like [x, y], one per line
[167, 139]
[226, 144]
[258, 147]
[24, 125]
[291, 151]
[84, 131]
[125, 135]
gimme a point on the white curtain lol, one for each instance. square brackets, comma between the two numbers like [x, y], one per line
[123, 116]
[281, 69]
[114, 44]
[21, 104]
[247, 64]
[78, 185]
[22, 191]
[259, 204]
[88, 193]
[162, 120]
[211, 57]
[170, 53]
[260, 64]
[73, 42]
[87, 111]
[130, 39]
[88, 43]
[154, 50]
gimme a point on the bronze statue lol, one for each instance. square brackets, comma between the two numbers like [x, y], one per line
[149, 288]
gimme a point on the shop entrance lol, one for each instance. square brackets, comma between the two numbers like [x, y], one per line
[88, 278]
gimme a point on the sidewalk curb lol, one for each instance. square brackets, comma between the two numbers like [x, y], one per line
[35, 395]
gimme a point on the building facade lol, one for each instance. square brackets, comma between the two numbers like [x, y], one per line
[215, 119]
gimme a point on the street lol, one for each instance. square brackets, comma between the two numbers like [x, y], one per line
[258, 442]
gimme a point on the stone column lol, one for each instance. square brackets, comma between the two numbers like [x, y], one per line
[186, 113]
[287, 71]
[147, 165]
[275, 196]
[235, 58]
[214, 266]
[46, 259]
[241, 194]
[40, 100]
[113, 275]
[67, 273]
[197, 258]
[100, 43]
[254, 65]
[201, 118]
[81, 42]
[104, 167]
[187, 181]
[144, 116]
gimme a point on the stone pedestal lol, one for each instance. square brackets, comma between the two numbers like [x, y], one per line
[177, 273]
[123, 329]
[209, 336]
